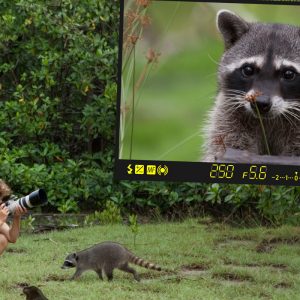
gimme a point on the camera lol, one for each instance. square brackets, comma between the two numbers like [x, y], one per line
[36, 198]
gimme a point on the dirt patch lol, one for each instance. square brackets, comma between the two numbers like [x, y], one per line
[265, 296]
[267, 245]
[196, 266]
[233, 277]
[264, 247]
[285, 240]
[173, 279]
[53, 277]
[195, 269]
[283, 285]
[156, 274]
[16, 250]
[255, 264]
[278, 266]
[229, 262]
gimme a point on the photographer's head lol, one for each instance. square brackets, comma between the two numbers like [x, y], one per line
[5, 191]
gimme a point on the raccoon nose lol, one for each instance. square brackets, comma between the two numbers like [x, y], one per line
[263, 103]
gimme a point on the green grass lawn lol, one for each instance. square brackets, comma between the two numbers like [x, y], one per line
[204, 261]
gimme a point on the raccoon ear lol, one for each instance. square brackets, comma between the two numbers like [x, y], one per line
[231, 26]
[75, 256]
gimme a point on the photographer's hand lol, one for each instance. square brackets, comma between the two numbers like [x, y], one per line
[19, 211]
[3, 214]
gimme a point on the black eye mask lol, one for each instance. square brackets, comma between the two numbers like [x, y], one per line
[68, 264]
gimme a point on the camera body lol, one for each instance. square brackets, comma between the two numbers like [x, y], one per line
[36, 198]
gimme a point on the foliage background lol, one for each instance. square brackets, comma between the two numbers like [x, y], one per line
[58, 66]
[58, 70]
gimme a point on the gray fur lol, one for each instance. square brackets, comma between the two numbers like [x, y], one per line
[104, 258]
[231, 125]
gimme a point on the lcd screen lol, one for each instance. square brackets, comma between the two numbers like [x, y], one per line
[209, 92]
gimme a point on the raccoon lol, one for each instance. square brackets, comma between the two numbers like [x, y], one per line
[258, 81]
[33, 293]
[105, 257]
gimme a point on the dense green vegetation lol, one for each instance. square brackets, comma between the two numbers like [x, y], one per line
[58, 69]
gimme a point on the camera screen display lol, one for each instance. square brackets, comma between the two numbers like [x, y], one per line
[209, 92]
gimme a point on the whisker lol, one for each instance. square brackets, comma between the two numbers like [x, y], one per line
[293, 117]
[236, 92]
[288, 119]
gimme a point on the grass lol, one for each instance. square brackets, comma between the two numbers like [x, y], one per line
[207, 261]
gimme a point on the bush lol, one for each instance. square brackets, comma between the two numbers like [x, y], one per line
[58, 70]
[58, 67]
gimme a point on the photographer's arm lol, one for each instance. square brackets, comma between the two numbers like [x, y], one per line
[14, 230]
[4, 229]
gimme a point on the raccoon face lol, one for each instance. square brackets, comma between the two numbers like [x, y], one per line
[70, 261]
[260, 69]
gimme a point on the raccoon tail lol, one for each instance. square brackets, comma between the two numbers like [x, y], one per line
[143, 263]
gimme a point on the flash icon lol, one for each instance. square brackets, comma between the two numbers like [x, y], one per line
[129, 169]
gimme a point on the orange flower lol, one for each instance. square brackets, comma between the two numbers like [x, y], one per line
[145, 21]
[143, 3]
[152, 56]
[252, 97]
[130, 16]
[133, 39]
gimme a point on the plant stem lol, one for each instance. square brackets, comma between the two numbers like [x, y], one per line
[263, 129]
[133, 103]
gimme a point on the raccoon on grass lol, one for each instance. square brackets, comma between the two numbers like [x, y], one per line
[105, 257]
[33, 293]
[258, 80]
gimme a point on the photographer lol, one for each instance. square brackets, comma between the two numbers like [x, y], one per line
[8, 234]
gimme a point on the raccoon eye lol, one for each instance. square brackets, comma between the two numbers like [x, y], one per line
[289, 74]
[248, 71]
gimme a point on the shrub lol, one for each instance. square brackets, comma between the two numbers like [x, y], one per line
[58, 64]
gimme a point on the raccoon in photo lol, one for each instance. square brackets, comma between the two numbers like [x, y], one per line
[258, 88]
[104, 258]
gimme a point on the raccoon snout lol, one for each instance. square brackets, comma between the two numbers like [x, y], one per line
[263, 103]
[64, 267]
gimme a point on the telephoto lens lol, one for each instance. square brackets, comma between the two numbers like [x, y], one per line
[36, 198]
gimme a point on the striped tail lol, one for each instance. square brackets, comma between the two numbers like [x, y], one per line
[143, 263]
